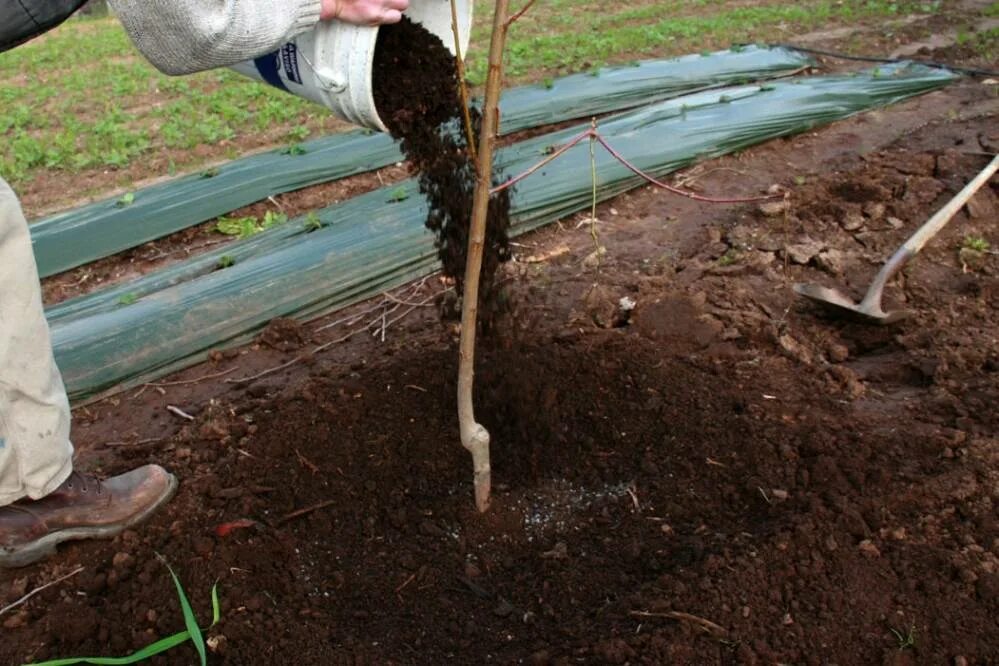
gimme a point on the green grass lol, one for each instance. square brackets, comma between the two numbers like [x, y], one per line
[976, 243]
[81, 99]
[192, 633]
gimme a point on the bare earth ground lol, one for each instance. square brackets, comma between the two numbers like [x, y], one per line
[725, 476]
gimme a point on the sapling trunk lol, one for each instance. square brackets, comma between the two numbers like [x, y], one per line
[474, 436]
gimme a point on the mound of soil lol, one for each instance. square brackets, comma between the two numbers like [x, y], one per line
[416, 93]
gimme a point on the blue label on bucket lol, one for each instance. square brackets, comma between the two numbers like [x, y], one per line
[289, 59]
[269, 67]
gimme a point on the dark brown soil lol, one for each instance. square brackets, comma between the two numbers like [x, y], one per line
[416, 93]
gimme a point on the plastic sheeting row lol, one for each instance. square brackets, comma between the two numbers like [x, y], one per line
[374, 242]
[97, 230]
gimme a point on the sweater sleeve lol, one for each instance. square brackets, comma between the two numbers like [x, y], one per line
[185, 36]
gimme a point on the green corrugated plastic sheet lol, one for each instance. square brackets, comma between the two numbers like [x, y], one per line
[369, 244]
[97, 230]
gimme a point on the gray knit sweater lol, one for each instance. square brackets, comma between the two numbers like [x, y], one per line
[184, 36]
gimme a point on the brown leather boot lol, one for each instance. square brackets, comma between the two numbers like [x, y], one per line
[81, 508]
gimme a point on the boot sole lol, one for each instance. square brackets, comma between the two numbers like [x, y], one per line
[46, 546]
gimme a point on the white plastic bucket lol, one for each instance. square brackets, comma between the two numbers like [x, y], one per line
[332, 63]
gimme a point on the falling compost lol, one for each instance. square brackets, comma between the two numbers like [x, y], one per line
[416, 93]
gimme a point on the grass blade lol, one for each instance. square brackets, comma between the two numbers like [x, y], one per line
[163, 644]
[151, 650]
[190, 622]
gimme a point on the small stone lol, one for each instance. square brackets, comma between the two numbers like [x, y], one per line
[831, 261]
[16, 620]
[779, 494]
[151, 616]
[730, 334]
[968, 576]
[773, 208]
[895, 223]
[960, 661]
[972, 260]
[504, 609]
[559, 552]
[203, 546]
[216, 643]
[874, 210]
[794, 349]
[869, 550]
[428, 528]
[541, 658]
[745, 611]
[837, 353]
[602, 305]
[787, 620]
[853, 222]
[123, 561]
[805, 251]
[980, 207]
[831, 544]
[18, 588]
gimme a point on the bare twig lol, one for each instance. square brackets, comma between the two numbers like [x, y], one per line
[308, 464]
[406, 582]
[193, 381]
[543, 163]
[593, 179]
[271, 371]
[306, 511]
[516, 17]
[459, 64]
[177, 411]
[141, 442]
[376, 325]
[349, 321]
[705, 625]
[35, 591]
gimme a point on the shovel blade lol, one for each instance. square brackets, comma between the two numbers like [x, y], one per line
[839, 303]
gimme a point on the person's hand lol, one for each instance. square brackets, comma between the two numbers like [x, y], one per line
[364, 12]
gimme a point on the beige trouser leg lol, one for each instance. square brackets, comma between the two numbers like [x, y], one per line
[35, 453]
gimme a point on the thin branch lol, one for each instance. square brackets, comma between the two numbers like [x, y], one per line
[593, 180]
[516, 17]
[351, 320]
[193, 381]
[271, 371]
[177, 411]
[705, 625]
[459, 63]
[23, 599]
[306, 511]
[543, 163]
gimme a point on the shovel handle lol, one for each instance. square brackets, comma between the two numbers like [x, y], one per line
[932, 227]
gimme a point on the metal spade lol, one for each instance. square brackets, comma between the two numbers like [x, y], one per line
[870, 309]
